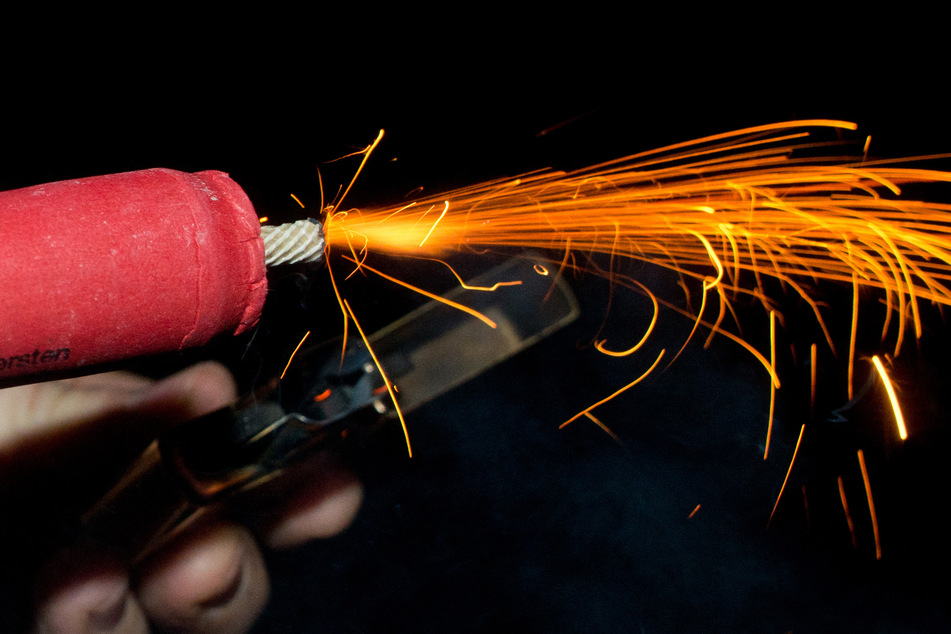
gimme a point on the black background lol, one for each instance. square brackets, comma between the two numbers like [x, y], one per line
[503, 522]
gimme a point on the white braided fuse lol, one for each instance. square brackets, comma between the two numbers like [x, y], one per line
[301, 241]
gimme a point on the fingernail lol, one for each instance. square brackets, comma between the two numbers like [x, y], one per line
[108, 614]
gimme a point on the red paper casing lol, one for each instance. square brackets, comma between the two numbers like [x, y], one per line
[100, 269]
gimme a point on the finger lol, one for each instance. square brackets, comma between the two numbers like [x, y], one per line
[80, 595]
[41, 408]
[317, 517]
[100, 423]
[211, 581]
[315, 499]
[191, 393]
[44, 411]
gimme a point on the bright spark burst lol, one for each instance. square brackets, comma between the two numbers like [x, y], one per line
[728, 210]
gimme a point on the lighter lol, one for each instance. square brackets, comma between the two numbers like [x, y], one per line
[325, 397]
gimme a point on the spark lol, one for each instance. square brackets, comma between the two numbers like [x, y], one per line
[444, 210]
[853, 332]
[892, 397]
[813, 369]
[293, 354]
[708, 283]
[871, 505]
[297, 200]
[386, 381]
[848, 515]
[470, 287]
[594, 419]
[366, 152]
[587, 410]
[772, 386]
[693, 512]
[331, 215]
[792, 461]
[561, 124]
[425, 293]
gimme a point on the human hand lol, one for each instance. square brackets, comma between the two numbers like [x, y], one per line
[211, 578]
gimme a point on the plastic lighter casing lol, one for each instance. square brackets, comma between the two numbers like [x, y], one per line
[100, 269]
